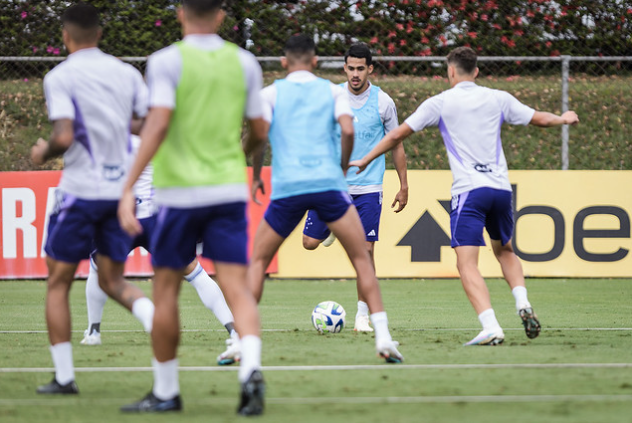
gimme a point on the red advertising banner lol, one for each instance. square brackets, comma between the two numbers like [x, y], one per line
[25, 201]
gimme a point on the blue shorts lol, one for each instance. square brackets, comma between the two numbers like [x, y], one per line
[223, 230]
[369, 208]
[285, 213]
[142, 240]
[480, 208]
[77, 226]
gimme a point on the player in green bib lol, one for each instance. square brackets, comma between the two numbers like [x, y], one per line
[201, 89]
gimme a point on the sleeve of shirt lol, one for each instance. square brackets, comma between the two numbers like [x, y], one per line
[141, 98]
[254, 82]
[427, 114]
[163, 74]
[341, 101]
[514, 111]
[268, 99]
[388, 112]
[58, 97]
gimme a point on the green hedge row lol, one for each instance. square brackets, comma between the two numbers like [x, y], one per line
[397, 28]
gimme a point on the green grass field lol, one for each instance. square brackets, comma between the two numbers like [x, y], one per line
[578, 370]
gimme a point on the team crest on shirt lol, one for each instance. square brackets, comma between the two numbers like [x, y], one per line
[113, 172]
[483, 168]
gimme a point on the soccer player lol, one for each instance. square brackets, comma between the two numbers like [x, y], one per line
[375, 114]
[207, 289]
[308, 174]
[92, 98]
[469, 118]
[200, 90]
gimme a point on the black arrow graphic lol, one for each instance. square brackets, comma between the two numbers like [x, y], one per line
[425, 239]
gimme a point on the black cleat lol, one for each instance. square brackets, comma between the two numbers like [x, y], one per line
[56, 388]
[530, 322]
[252, 393]
[151, 404]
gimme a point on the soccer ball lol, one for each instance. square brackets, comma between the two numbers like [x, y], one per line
[328, 317]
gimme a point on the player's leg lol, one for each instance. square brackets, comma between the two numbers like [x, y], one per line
[213, 299]
[467, 220]
[349, 231]
[314, 232]
[500, 225]
[95, 302]
[225, 241]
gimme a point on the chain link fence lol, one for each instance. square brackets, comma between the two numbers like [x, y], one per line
[552, 55]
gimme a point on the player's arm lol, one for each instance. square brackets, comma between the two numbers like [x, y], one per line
[346, 140]
[390, 140]
[152, 135]
[399, 160]
[546, 119]
[256, 147]
[60, 140]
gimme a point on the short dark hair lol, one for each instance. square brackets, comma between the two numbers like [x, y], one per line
[299, 48]
[203, 7]
[83, 15]
[81, 20]
[464, 58]
[360, 51]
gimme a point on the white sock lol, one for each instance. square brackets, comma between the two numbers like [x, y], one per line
[380, 325]
[250, 356]
[143, 310]
[166, 385]
[210, 294]
[363, 309]
[488, 320]
[234, 335]
[95, 296]
[62, 359]
[520, 294]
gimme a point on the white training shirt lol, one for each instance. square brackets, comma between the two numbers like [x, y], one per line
[100, 94]
[470, 118]
[388, 114]
[164, 69]
[144, 187]
[269, 95]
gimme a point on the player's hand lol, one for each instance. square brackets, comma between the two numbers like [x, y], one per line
[38, 152]
[360, 164]
[257, 185]
[401, 198]
[127, 214]
[570, 117]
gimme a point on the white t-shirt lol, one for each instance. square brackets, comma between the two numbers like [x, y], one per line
[144, 187]
[100, 93]
[470, 118]
[269, 95]
[164, 69]
[388, 114]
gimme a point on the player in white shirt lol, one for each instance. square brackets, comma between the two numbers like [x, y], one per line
[207, 289]
[375, 115]
[470, 118]
[92, 98]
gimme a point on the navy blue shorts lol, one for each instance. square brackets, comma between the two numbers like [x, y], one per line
[76, 227]
[223, 229]
[285, 213]
[369, 208]
[142, 240]
[480, 208]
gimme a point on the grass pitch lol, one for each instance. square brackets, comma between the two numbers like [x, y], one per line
[578, 370]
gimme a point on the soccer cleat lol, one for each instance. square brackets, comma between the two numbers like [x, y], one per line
[530, 322]
[232, 353]
[252, 393]
[151, 404]
[93, 338]
[56, 388]
[488, 338]
[362, 324]
[388, 351]
[329, 240]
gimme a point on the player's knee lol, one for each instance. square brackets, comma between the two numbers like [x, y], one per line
[310, 243]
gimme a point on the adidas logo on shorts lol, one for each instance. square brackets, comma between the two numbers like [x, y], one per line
[372, 233]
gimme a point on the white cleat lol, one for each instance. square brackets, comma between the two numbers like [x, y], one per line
[232, 353]
[93, 338]
[329, 240]
[493, 337]
[362, 324]
[388, 351]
